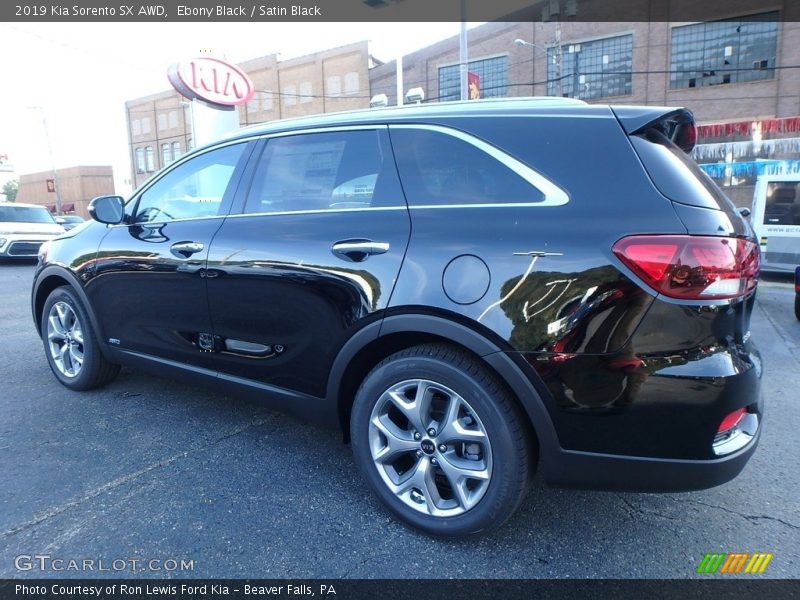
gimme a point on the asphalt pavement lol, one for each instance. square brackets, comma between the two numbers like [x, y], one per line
[154, 470]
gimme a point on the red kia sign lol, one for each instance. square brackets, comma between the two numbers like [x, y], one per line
[214, 81]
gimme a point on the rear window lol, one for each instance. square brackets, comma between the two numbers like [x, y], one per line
[25, 214]
[676, 175]
[783, 203]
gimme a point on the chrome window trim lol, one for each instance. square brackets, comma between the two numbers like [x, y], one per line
[553, 195]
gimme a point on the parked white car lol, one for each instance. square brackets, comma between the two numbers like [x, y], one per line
[25, 227]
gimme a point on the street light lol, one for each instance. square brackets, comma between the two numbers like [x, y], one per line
[56, 187]
[556, 57]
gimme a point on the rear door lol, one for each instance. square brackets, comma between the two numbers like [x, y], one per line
[776, 220]
[311, 257]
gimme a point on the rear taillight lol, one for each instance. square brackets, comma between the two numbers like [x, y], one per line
[797, 280]
[692, 267]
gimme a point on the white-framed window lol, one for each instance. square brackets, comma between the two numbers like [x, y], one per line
[351, 83]
[176, 150]
[306, 90]
[252, 106]
[334, 86]
[166, 154]
[162, 121]
[289, 95]
[149, 159]
[145, 125]
[140, 164]
[136, 127]
[173, 119]
[266, 101]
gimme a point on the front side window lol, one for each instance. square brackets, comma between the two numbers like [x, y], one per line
[191, 190]
[319, 171]
[719, 52]
[439, 169]
[783, 203]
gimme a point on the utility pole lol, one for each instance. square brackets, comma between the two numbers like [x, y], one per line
[463, 59]
[56, 186]
[558, 59]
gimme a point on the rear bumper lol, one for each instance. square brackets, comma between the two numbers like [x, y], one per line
[569, 468]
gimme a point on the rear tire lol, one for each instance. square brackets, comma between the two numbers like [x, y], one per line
[797, 306]
[441, 443]
[70, 343]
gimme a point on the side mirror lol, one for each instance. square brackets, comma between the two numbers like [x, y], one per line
[744, 211]
[108, 209]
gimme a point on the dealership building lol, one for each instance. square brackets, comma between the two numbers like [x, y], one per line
[740, 76]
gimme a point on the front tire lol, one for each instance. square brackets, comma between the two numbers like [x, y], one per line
[440, 442]
[70, 343]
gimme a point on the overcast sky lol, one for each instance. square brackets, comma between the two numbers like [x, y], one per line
[82, 74]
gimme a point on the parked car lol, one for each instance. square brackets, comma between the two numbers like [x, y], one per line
[776, 221]
[69, 221]
[797, 292]
[23, 228]
[465, 289]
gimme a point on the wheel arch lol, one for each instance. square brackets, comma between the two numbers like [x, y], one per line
[397, 332]
[51, 278]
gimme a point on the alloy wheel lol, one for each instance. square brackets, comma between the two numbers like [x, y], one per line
[65, 339]
[430, 448]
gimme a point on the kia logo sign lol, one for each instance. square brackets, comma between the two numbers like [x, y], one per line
[214, 81]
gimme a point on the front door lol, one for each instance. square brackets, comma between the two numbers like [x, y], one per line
[312, 256]
[150, 287]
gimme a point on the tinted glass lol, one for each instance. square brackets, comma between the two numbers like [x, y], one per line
[783, 203]
[193, 189]
[317, 171]
[437, 169]
[24, 214]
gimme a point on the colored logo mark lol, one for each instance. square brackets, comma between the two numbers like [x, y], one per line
[734, 562]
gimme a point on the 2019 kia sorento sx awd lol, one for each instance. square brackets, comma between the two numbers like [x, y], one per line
[467, 290]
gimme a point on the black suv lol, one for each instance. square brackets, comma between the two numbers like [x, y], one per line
[464, 289]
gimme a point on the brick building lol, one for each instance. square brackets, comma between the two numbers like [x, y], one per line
[739, 76]
[76, 185]
[159, 127]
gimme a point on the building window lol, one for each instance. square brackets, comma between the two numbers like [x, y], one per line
[136, 127]
[162, 122]
[351, 83]
[166, 155]
[266, 101]
[140, 165]
[173, 119]
[290, 95]
[596, 69]
[148, 156]
[729, 51]
[145, 125]
[306, 92]
[252, 106]
[334, 86]
[493, 74]
[176, 150]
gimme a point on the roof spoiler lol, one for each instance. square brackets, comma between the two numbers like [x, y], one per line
[675, 123]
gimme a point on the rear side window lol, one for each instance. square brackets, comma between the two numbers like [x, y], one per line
[437, 168]
[783, 203]
[329, 170]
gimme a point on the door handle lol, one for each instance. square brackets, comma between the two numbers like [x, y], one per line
[358, 250]
[186, 249]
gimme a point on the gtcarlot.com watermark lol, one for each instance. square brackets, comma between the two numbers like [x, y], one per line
[48, 563]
